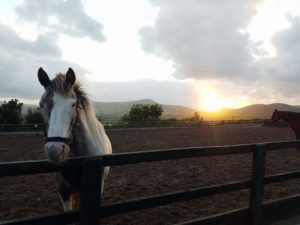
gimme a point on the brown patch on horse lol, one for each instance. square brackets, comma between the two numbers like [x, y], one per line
[74, 201]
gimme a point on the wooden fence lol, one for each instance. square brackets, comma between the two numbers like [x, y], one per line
[21, 127]
[91, 210]
[162, 123]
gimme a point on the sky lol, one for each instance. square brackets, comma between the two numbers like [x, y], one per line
[197, 53]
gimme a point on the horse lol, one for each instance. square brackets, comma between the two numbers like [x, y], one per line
[292, 118]
[71, 130]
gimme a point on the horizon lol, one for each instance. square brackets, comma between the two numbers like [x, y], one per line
[142, 100]
[219, 55]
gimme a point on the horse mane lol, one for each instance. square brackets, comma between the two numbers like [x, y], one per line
[93, 123]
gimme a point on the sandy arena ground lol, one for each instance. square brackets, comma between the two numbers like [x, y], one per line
[26, 196]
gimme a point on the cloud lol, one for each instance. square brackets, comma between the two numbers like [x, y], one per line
[279, 76]
[62, 16]
[20, 60]
[44, 45]
[204, 39]
[285, 66]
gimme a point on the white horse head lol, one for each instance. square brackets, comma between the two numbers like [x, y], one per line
[59, 111]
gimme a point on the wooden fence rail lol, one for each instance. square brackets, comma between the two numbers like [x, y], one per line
[91, 210]
[163, 123]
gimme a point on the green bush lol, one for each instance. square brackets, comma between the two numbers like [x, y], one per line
[11, 112]
[34, 116]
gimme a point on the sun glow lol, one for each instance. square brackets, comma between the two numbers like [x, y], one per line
[212, 102]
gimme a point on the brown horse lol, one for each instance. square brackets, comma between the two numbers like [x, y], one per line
[292, 118]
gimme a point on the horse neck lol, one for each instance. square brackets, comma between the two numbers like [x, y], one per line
[286, 116]
[90, 137]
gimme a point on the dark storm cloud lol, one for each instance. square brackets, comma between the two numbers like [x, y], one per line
[70, 15]
[20, 60]
[204, 39]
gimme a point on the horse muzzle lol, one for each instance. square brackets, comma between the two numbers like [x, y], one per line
[57, 152]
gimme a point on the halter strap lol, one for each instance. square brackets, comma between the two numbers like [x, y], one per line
[58, 139]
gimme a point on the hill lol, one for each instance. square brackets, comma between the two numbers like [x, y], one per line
[256, 111]
[114, 110]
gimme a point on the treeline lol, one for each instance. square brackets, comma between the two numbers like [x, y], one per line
[11, 113]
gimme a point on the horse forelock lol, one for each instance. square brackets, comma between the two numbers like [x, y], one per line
[59, 85]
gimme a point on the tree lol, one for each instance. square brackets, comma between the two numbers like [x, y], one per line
[142, 113]
[11, 112]
[124, 118]
[34, 116]
[197, 116]
[138, 113]
[155, 111]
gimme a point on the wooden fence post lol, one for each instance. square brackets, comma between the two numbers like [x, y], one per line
[90, 198]
[257, 187]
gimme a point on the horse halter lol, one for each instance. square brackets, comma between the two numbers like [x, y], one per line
[58, 139]
[66, 140]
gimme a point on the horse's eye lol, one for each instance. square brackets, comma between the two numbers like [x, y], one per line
[73, 105]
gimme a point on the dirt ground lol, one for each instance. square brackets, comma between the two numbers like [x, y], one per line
[26, 196]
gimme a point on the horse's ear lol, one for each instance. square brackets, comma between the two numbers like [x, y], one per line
[43, 77]
[70, 76]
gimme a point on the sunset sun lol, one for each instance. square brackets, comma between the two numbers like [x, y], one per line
[212, 102]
